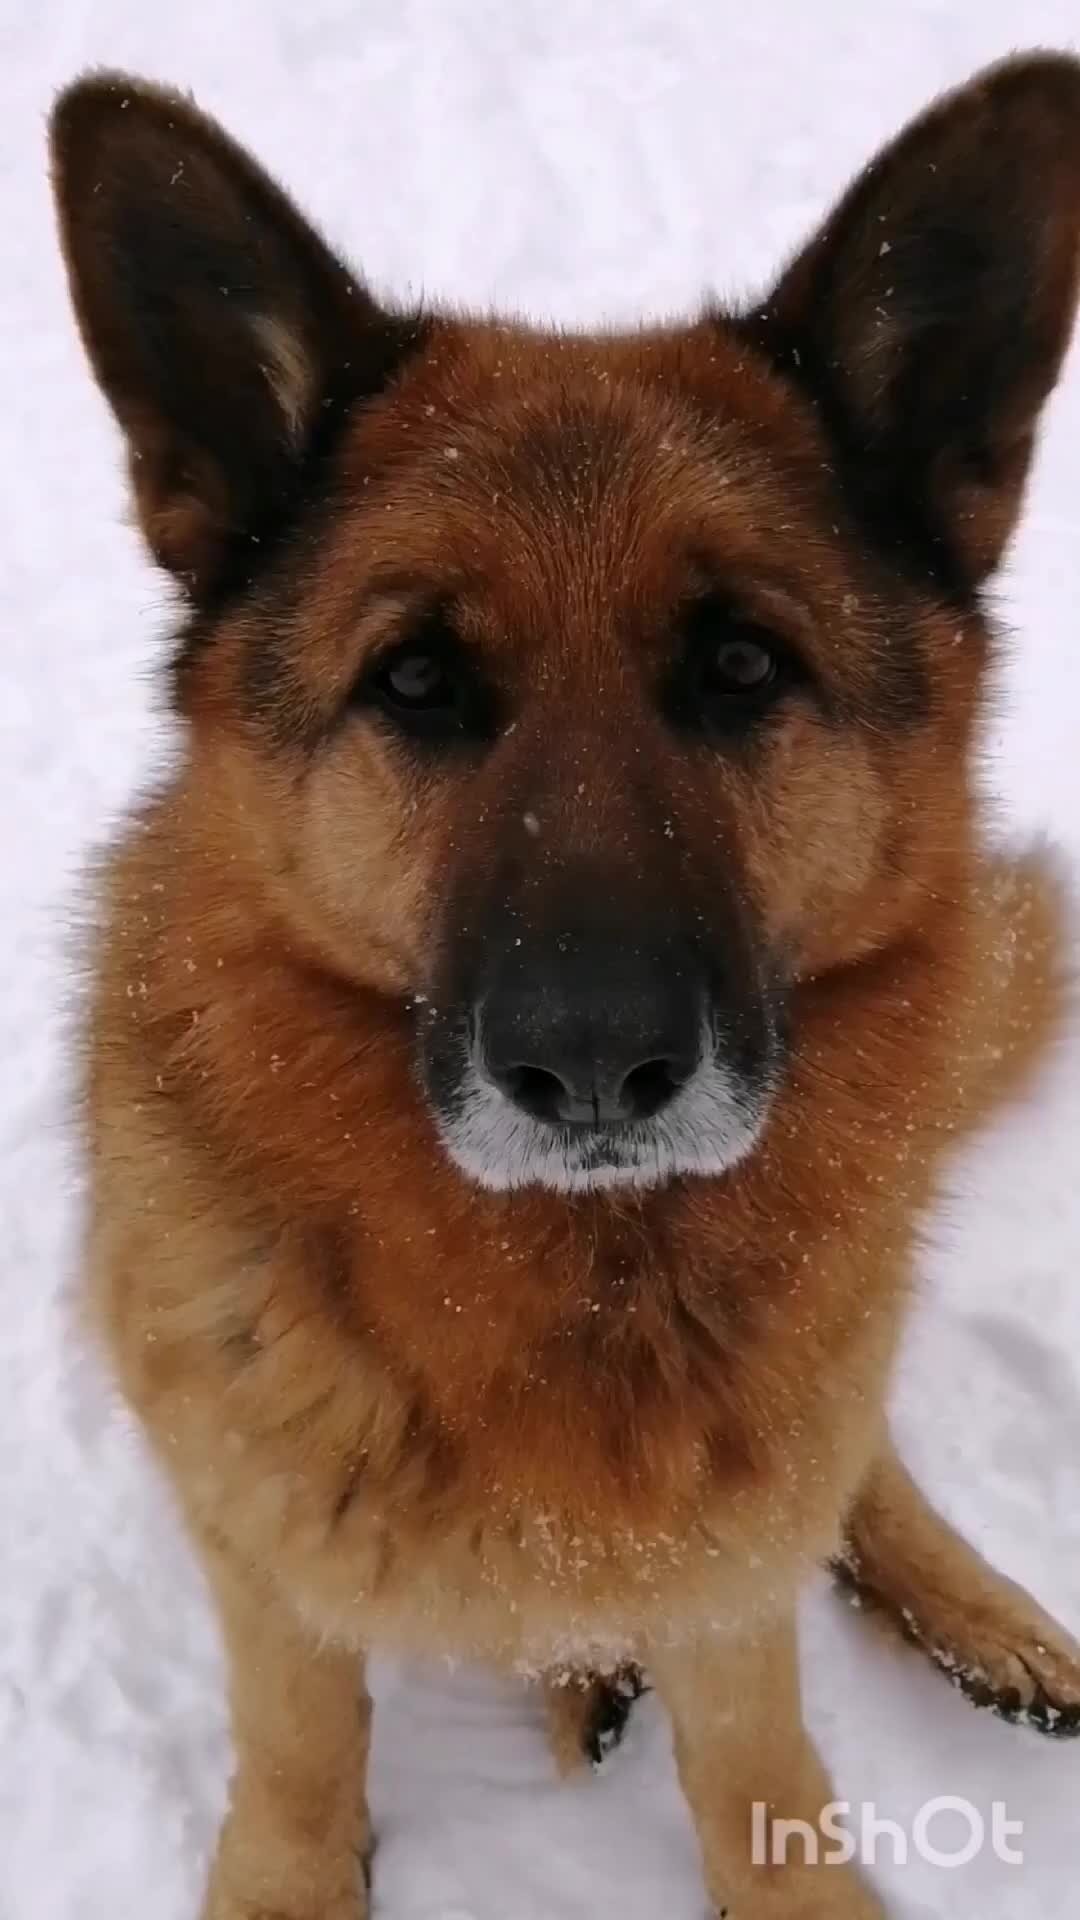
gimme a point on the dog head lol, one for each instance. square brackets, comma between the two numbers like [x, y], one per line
[585, 696]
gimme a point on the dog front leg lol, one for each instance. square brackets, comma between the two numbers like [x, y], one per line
[987, 1634]
[746, 1764]
[295, 1841]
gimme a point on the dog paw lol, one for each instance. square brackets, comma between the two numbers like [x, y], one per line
[229, 1907]
[992, 1641]
[1029, 1675]
[588, 1715]
[230, 1901]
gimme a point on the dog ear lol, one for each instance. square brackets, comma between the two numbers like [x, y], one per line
[226, 336]
[929, 317]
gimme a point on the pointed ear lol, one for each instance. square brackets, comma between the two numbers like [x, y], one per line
[227, 338]
[930, 315]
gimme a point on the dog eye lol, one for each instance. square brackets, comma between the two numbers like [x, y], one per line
[428, 688]
[743, 662]
[729, 672]
[416, 681]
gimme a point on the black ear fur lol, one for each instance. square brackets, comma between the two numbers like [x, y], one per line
[227, 337]
[929, 317]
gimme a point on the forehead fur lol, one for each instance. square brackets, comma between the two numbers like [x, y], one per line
[576, 422]
[566, 495]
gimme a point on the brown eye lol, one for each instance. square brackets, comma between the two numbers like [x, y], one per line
[430, 688]
[729, 671]
[740, 663]
[418, 680]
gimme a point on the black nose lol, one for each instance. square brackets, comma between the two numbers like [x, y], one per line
[601, 1059]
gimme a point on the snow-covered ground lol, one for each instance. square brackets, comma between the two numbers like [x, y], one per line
[584, 159]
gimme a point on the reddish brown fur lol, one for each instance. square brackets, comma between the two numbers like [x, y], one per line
[542, 1428]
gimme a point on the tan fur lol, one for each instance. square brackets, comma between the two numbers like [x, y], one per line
[555, 1432]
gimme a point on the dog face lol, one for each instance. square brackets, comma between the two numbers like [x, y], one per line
[587, 697]
[608, 700]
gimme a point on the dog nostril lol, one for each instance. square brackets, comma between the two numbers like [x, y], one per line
[640, 1094]
[649, 1087]
[537, 1090]
[584, 1097]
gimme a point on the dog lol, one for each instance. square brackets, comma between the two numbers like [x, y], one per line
[529, 1028]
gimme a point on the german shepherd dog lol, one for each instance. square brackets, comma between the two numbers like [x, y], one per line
[529, 1029]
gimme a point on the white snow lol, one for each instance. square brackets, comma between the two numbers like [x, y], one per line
[585, 159]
